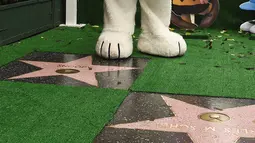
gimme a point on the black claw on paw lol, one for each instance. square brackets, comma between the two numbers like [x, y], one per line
[179, 48]
[119, 50]
[109, 51]
[101, 48]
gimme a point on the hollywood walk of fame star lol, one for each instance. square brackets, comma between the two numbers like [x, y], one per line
[82, 69]
[186, 120]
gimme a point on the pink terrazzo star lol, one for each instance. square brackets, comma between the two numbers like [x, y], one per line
[186, 120]
[84, 65]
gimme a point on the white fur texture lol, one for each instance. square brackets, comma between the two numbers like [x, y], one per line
[246, 26]
[171, 45]
[114, 45]
[252, 29]
[156, 38]
[119, 20]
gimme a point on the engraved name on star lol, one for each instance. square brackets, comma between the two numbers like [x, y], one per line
[186, 120]
[84, 66]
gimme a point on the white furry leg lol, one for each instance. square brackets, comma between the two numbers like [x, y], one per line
[119, 20]
[156, 38]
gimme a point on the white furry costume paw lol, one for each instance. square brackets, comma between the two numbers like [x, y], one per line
[156, 38]
[115, 41]
[114, 45]
[248, 26]
[171, 45]
[119, 20]
[252, 29]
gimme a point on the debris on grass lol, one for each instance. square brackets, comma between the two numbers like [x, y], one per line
[250, 69]
[95, 26]
[209, 43]
[171, 29]
[250, 53]
[187, 33]
[223, 31]
[231, 39]
[182, 63]
[227, 39]
[230, 45]
[240, 55]
[69, 43]
[190, 30]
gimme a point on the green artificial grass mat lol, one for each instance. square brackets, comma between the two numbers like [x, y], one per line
[224, 69]
[39, 113]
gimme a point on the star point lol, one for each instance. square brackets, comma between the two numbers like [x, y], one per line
[84, 65]
[186, 120]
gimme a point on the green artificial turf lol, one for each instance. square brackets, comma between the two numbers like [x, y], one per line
[33, 113]
[68, 40]
[225, 69]
[51, 113]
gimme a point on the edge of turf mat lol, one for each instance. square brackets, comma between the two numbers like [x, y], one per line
[193, 95]
[51, 113]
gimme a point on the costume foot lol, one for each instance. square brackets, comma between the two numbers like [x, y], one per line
[246, 26]
[252, 29]
[170, 45]
[114, 45]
